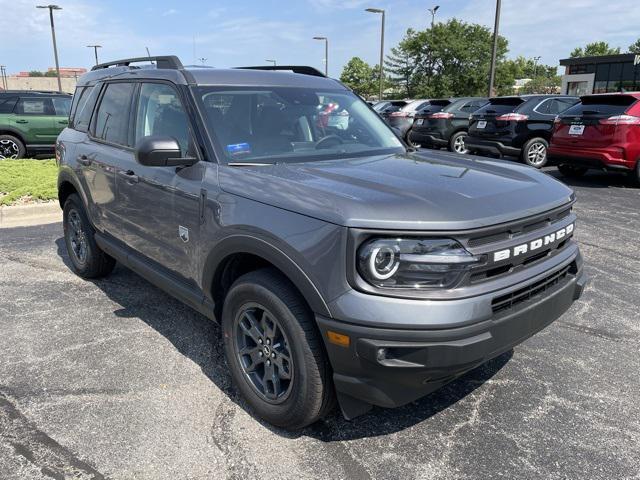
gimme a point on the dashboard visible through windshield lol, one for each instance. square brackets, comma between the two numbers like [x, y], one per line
[278, 124]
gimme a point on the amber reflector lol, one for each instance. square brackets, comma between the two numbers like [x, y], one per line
[338, 338]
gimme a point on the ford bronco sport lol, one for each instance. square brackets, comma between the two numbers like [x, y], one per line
[341, 264]
[30, 121]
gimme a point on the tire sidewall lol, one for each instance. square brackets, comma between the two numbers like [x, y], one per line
[294, 406]
[527, 146]
[22, 149]
[74, 203]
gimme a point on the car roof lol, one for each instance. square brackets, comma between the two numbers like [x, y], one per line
[32, 93]
[170, 68]
[631, 94]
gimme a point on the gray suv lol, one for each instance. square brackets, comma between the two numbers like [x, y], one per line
[341, 264]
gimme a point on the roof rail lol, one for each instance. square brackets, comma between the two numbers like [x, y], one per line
[47, 92]
[164, 61]
[302, 69]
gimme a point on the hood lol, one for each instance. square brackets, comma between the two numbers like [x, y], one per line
[419, 191]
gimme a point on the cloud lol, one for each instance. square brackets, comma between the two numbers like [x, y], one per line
[337, 4]
[171, 11]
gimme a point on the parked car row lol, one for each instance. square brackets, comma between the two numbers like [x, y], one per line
[575, 133]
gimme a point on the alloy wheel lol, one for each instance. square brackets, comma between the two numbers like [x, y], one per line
[537, 154]
[262, 350]
[77, 237]
[8, 149]
[458, 145]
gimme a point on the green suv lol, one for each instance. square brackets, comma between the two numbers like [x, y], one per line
[30, 121]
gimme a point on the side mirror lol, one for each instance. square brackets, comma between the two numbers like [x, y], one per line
[161, 151]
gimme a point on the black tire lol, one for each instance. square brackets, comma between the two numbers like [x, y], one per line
[534, 152]
[87, 259]
[411, 143]
[11, 147]
[309, 393]
[455, 144]
[572, 171]
[635, 174]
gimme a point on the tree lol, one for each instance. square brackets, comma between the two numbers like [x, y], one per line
[635, 47]
[594, 49]
[50, 73]
[36, 73]
[449, 59]
[544, 78]
[358, 76]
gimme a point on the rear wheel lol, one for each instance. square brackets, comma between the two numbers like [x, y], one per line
[456, 143]
[534, 152]
[11, 147]
[88, 260]
[410, 142]
[635, 174]
[275, 352]
[572, 171]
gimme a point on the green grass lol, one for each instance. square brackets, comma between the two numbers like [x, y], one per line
[27, 180]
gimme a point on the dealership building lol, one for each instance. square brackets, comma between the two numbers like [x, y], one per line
[607, 73]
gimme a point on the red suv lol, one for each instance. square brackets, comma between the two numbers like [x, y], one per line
[602, 131]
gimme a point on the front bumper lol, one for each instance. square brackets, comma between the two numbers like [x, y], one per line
[391, 367]
[494, 147]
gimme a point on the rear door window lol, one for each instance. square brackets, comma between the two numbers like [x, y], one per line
[499, 106]
[111, 122]
[35, 106]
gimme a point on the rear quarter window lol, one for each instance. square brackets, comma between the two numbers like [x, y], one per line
[82, 117]
[7, 104]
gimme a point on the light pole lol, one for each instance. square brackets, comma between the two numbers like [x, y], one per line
[271, 61]
[326, 54]
[535, 66]
[53, 35]
[4, 77]
[95, 50]
[494, 51]
[202, 60]
[433, 14]
[379, 10]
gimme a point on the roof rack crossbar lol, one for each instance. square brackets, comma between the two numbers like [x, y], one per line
[164, 61]
[302, 69]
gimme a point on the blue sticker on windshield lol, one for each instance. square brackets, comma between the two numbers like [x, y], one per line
[238, 148]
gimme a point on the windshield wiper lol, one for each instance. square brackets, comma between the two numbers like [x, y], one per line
[249, 164]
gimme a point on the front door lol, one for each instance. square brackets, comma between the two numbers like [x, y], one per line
[159, 206]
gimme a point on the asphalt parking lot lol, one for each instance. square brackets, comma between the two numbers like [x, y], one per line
[115, 379]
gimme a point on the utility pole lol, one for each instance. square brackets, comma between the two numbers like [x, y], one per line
[326, 54]
[3, 73]
[379, 10]
[53, 36]
[433, 14]
[494, 52]
[271, 61]
[95, 50]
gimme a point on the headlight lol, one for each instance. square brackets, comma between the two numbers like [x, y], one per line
[414, 263]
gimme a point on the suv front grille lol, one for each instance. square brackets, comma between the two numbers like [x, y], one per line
[512, 299]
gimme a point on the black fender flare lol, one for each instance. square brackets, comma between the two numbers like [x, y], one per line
[249, 244]
[67, 175]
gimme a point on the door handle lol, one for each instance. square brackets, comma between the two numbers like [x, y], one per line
[22, 121]
[64, 122]
[84, 160]
[129, 176]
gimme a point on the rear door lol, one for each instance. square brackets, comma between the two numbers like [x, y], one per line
[34, 118]
[485, 122]
[592, 122]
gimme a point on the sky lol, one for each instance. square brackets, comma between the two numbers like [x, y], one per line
[246, 32]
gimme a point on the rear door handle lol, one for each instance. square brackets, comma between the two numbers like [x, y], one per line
[64, 122]
[84, 160]
[22, 121]
[129, 176]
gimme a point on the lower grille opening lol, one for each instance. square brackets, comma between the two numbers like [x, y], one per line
[509, 300]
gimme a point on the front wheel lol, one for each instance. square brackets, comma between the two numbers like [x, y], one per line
[11, 147]
[572, 171]
[275, 352]
[456, 143]
[534, 152]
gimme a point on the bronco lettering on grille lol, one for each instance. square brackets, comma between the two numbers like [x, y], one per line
[533, 244]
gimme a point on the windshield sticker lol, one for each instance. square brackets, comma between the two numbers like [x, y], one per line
[238, 149]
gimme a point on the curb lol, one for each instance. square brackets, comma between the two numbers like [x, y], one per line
[28, 215]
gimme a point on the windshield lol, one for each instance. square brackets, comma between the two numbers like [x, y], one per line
[267, 125]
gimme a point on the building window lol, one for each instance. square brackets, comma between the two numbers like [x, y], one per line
[581, 68]
[578, 88]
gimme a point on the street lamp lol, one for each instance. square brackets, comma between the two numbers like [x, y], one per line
[271, 60]
[535, 66]
[95, 50]
[433, 14]
[326, 54]
[494, 52]
[379, 10]
[53, 35]
[202, 60]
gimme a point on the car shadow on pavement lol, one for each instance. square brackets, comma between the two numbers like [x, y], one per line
[595, 179]
[199, 339]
